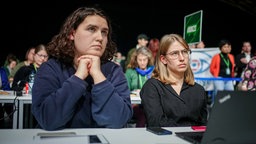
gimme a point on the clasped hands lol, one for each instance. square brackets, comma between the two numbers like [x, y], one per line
[89, 65]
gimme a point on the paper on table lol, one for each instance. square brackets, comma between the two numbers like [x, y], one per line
[69, 137]
[60, 137]
[4, 92]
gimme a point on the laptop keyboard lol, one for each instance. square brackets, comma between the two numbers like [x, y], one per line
[193, 137]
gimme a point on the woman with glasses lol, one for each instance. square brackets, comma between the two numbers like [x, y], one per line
[138, 71]
[22, 75]
[171, 97]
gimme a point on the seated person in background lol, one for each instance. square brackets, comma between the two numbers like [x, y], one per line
[138, 71]
[4, 82]
[4, 85]
[119, 59]
[79, 86]
[22, 75]
[29, 59]
[10, 63]
[171, 97]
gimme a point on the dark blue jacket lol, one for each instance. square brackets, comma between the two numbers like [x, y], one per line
[62, 100]
[4, 80]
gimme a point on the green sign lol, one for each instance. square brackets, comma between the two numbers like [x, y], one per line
[193, 27]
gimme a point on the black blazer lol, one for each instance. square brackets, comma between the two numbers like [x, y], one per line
[165, 108]
[239, 65]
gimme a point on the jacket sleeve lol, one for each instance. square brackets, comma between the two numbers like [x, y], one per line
[214, 66]
[54, 100]
[238, 62]
[111, 104]
[4, 80]
[128, 73]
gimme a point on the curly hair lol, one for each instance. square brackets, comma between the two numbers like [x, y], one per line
[62, 48]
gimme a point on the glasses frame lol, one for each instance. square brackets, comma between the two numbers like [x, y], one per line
[42, 56]
[175, 54]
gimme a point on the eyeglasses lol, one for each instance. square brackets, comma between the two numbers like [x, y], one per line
[175, 54]
[42, 56]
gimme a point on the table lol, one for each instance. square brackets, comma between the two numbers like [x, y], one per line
[19, 102]
[135, 99]
[113, 136]
[11, 98]
[25, 99]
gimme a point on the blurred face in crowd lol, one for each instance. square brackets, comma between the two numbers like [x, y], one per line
[13, 64]
[142, 61]
[200, 44]
[31, 54]
[246, 47]
[40, 57]
[226, 49]
[142, 42]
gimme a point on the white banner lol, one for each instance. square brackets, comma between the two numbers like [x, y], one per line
[200, 63]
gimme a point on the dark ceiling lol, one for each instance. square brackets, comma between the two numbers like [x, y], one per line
[28, 25]
[248, 6]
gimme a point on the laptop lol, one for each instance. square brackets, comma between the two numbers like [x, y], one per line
[193, 137]
[232, 120]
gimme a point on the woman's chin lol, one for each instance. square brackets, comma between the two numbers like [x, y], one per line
[143, 68]
[94, 53]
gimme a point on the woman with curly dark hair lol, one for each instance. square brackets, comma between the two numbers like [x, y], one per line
[79, 86]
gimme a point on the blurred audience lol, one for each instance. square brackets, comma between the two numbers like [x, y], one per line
[10, 62]
[29, 58]
[243, 58]
[154, 46]
[138, 71]
[142, 41]
[119, 59]
[249, 76]
[4, 85]
[223, 66]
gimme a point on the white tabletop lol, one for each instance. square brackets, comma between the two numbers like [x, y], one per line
[8, 96]
[113, 136]
[28, 97]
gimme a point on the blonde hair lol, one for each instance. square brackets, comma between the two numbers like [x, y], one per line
[142, 50]
[161, 72]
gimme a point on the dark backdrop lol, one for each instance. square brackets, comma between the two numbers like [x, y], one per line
[28, 24]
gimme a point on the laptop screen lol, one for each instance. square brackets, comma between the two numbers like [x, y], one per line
[232, 120]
